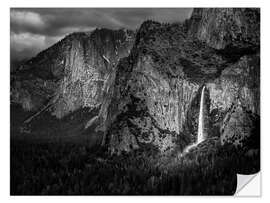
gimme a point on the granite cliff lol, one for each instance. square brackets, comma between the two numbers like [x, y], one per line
[157, 88]
[147, 87]
[71, 74]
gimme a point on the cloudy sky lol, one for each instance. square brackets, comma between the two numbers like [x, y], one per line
[34, 29]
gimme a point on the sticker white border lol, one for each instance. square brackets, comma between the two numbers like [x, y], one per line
[248, 185]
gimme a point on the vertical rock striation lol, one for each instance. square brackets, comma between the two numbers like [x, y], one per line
[73, 73]
[148, 88]
[157, 87]
[150, 106]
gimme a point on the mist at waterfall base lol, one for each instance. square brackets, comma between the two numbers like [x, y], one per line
[75, 167]
[174, 102]
[200, 134]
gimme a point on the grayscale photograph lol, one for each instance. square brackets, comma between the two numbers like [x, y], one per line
[133, 101]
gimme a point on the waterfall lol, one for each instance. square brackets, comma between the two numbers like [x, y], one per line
[200, 136]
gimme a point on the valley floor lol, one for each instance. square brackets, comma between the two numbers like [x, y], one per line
[60, 169]
[66, 167]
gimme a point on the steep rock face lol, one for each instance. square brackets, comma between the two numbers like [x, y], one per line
[240, 128]
[227, 27]
[235, 101]
[166, 98]
[239, 82]
[150, 95]
[167, 68]
[73, 73]
[149, 107]
[235, 34]
[164, 73]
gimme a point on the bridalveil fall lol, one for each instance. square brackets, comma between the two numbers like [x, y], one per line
[200, 135]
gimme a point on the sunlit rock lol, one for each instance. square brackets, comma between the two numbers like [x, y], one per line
[77, 68]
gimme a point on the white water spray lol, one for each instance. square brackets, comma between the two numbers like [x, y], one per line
[200, 136]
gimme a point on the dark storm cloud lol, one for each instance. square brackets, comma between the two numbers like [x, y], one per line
[35, 29]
